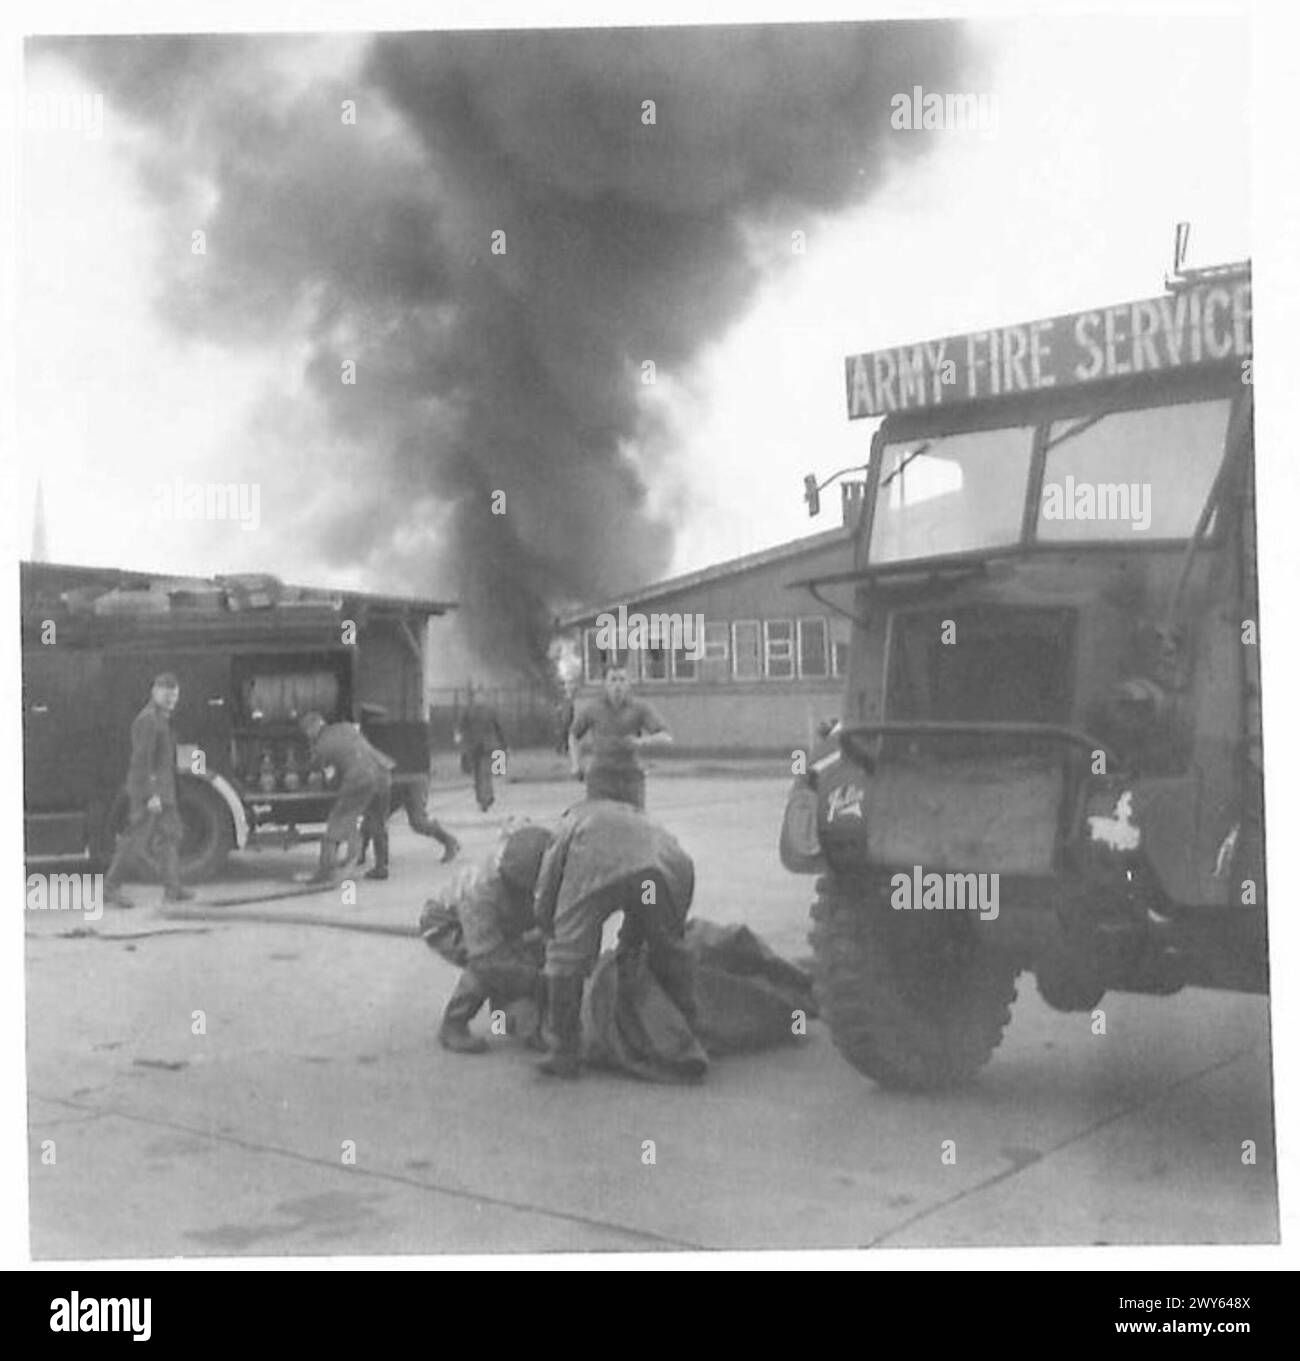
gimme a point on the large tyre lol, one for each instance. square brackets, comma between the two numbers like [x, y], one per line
[914, 999]
[207, 832]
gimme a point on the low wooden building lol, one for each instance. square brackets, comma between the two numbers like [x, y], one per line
[737, 657]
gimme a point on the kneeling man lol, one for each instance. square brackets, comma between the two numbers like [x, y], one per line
[497, 943]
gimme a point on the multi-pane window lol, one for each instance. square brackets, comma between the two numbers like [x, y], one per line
[813, 660]
[746, 662]
[654, 664]
[595, 659]
[812, 648]
[778, 649]
[715, 665]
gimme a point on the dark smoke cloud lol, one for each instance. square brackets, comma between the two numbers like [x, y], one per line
[479, 372]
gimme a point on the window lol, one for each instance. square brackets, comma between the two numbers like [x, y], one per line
[595, 659]
[778, 649]
[685, 666]
[745, 663]
[715, 664]
[1143, 473]
[841, 637]
[951, 494]
[812, 648]
[654, 664]
[591, 663]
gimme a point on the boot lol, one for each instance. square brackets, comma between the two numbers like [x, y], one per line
[424, 825]
[380, 870]
[114, 897]
[173, 891]
[564, 1021]
[535, 1038]
[324, 871]
[454, 1033]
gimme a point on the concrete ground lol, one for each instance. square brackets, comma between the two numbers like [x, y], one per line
[315, 1114]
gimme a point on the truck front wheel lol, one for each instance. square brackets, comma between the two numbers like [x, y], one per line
[914, 1000]
[207, 832]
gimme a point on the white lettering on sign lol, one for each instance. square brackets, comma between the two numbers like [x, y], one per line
[845, 802]
[1210, 323]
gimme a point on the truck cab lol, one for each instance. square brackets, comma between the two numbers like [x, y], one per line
[1049, 750]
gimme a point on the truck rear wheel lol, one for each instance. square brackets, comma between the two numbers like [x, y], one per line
[914, 999]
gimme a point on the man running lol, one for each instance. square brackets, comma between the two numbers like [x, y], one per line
[618, 724]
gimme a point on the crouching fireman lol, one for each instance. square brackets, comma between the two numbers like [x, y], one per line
[607, 857]
[365, 788]
[484, 921]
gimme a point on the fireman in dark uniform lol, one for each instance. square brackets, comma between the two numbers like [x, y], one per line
[479, 737]
[365, 788]
[495, 942]
[566, 712]
[154, 830]
[413, 798]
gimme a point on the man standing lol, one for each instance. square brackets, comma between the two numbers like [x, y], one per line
[479, 737]
[620, 724]
[365, 789]
[414, 800]
[568, 711]
[155, 825]
[497, 945]
[608, 857]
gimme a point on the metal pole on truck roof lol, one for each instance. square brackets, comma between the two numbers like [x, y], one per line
[1182, 277]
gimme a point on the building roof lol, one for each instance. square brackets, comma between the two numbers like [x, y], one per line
[61, 577]
[785, 552]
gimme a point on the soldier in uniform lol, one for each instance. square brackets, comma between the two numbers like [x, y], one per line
[154, 829]
[619, 725]
[479, 736]
[567, 712]
[608, 857]
[365, 789]
[494, 939]
[414, 798]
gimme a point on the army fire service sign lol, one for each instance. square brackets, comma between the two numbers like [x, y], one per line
[1207, 324]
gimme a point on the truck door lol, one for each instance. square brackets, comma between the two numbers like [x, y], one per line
[62, 727]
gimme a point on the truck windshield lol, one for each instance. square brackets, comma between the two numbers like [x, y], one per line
[951, 494]
[1146, 471]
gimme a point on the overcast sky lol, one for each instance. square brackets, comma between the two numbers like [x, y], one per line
[1108, 132]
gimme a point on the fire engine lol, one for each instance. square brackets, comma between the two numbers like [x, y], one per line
[1048, 758]
[252, 655]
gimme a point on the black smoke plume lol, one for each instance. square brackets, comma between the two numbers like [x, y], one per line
[481, 372]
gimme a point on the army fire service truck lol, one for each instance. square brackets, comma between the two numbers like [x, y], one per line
[252, 655]
[1049, 753]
